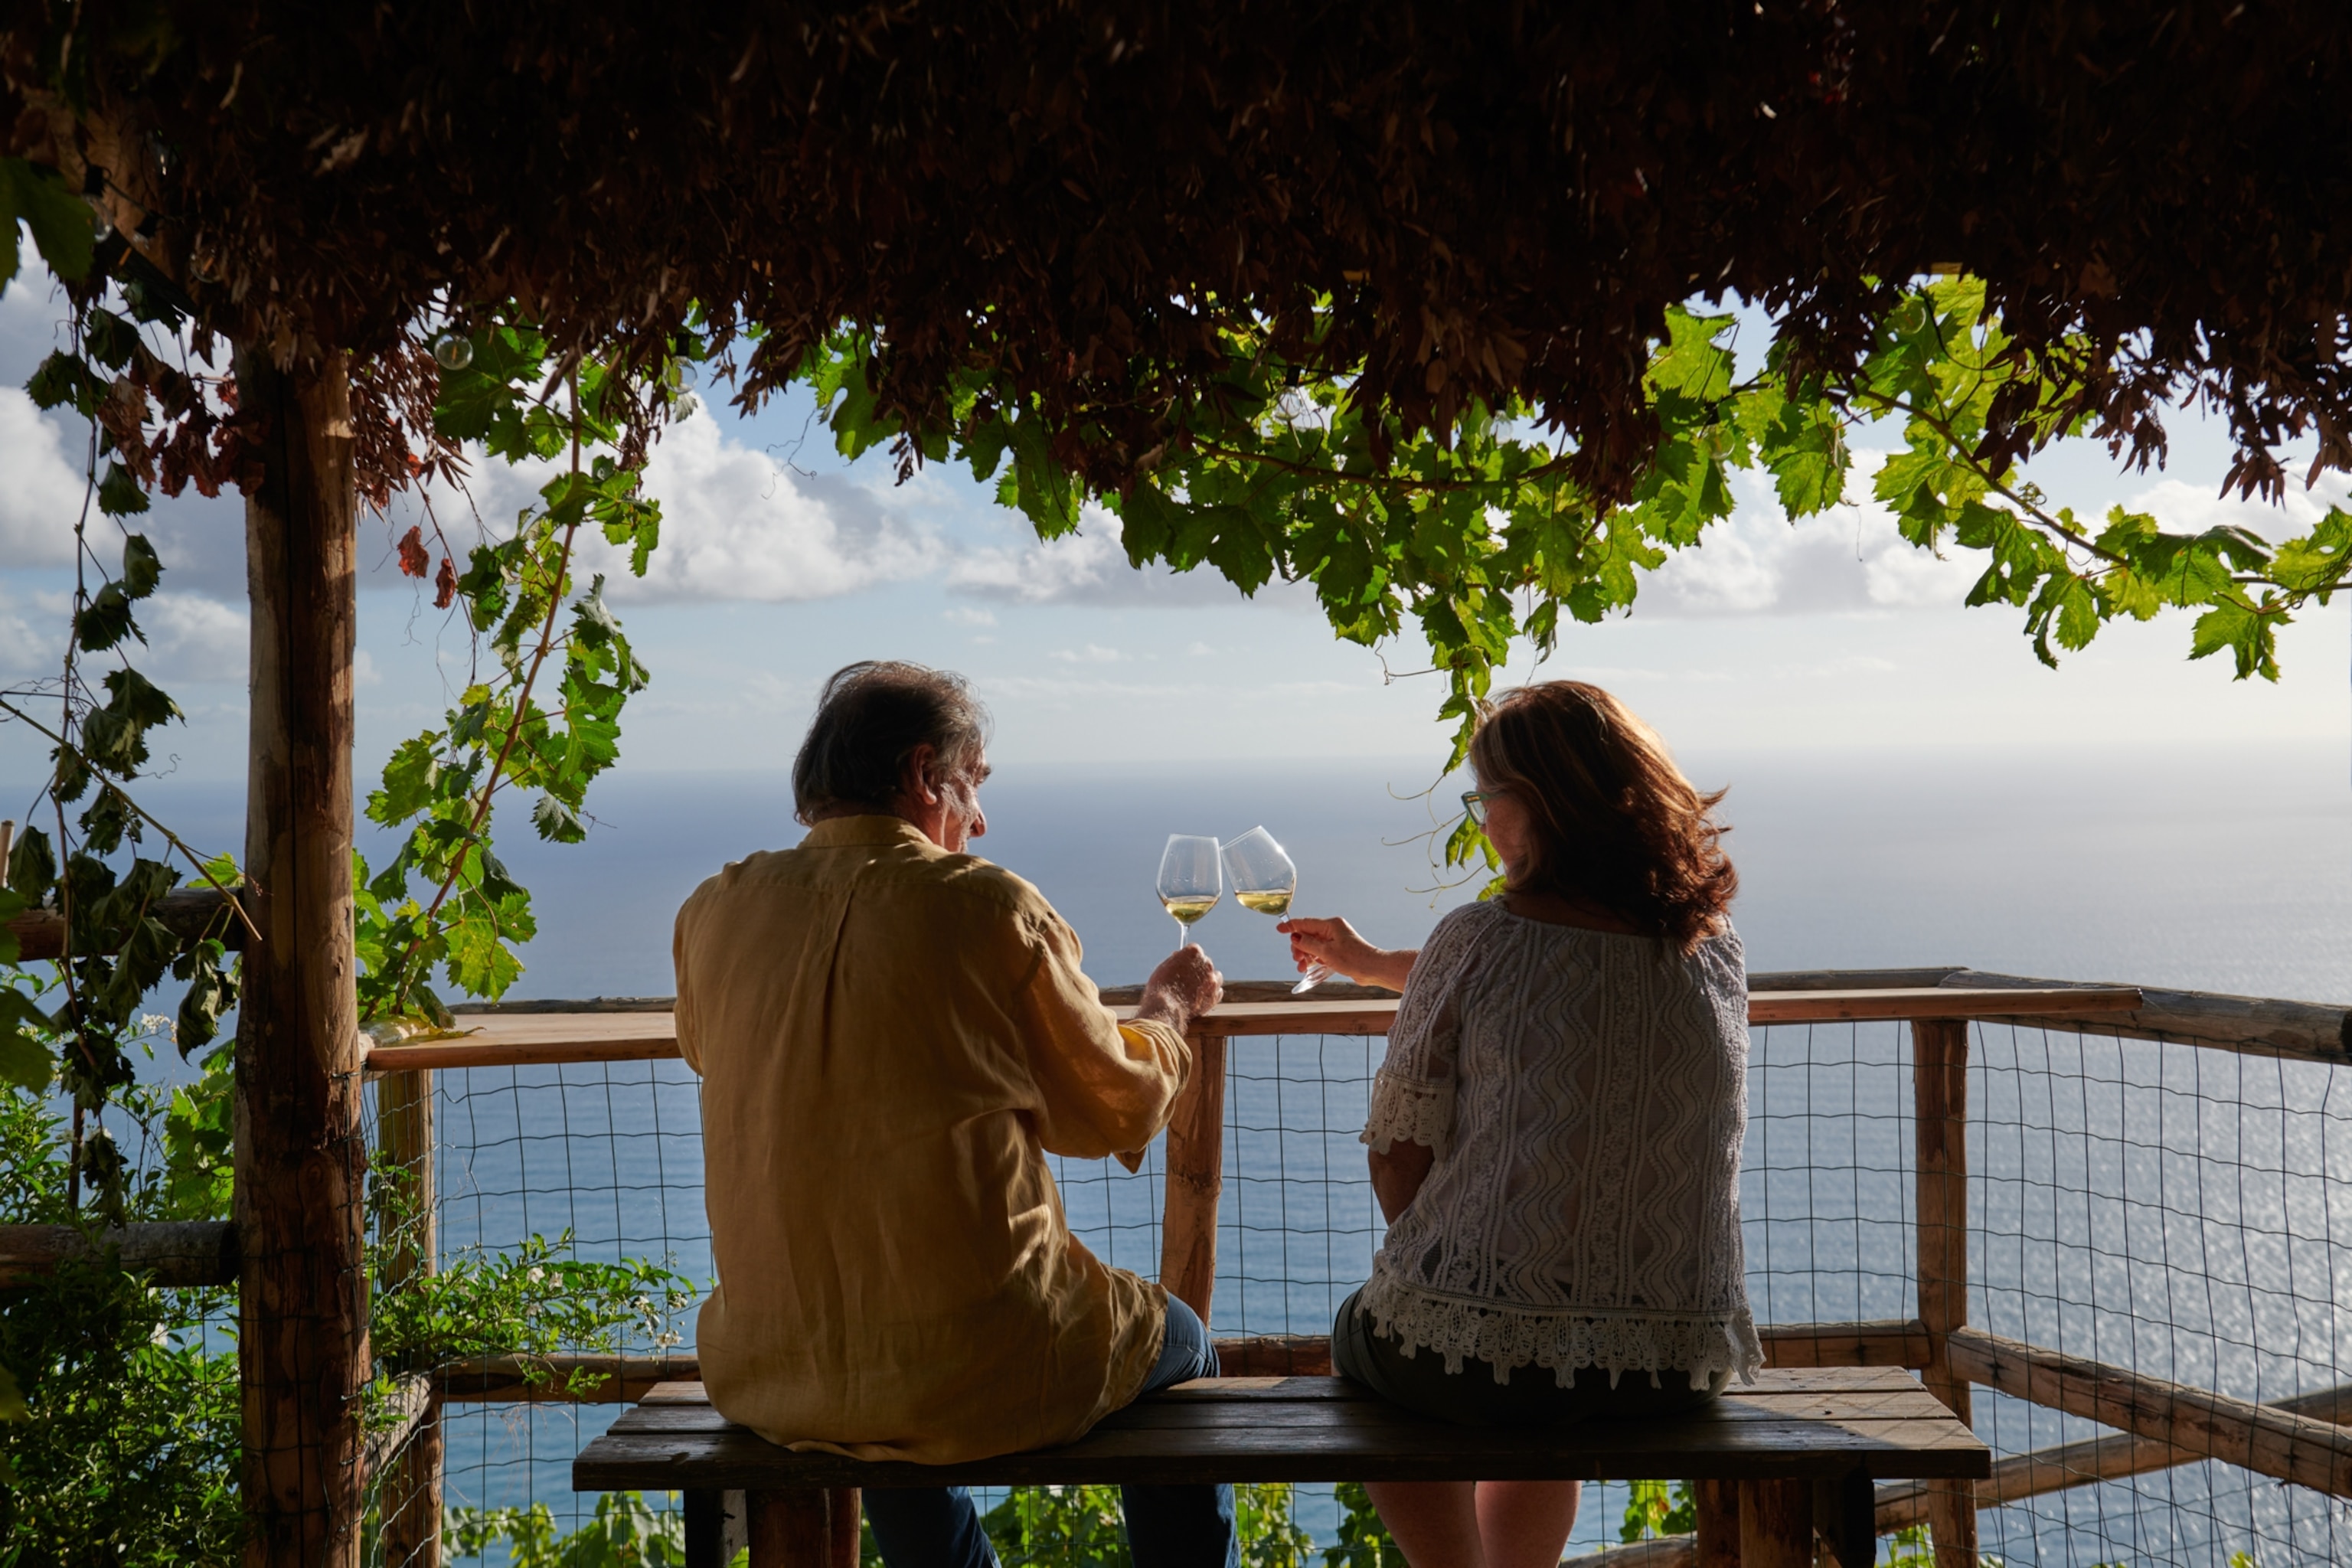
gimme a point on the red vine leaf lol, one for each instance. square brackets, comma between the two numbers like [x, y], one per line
[414, 561]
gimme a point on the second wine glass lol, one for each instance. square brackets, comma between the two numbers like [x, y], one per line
[1189, 883]
[1264, 878]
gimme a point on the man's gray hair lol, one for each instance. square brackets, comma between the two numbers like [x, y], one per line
[869, 719]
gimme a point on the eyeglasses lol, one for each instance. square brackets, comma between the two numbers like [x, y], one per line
[1473, 801]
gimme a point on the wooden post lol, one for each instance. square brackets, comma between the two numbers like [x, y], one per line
[1939, 1081]
[1718, 1540]
[1196, 1179]
[408, 1497]
[804, 1527]
[302, 1350]
[1776, 1524]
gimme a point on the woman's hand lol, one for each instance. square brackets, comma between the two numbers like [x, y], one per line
[1185, 985]
[1336, 945]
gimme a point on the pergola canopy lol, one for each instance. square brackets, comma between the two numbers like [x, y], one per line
[1495, 199]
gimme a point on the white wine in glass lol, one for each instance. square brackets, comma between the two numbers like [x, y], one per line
[1264, 877]
[1190, 882]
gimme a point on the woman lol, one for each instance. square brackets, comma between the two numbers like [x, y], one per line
[1555, 1133]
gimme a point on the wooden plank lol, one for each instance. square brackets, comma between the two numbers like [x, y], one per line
[1939, 1078]
[1892, 1342]
[531, 1039]
[548, 1379]
[1934, 1001]
[1803, 1385]
[2085, 1463]
[519, 1039]
[2204, 1423]
[188, 912]
[1291, 1429]
[1196, 1178]
[170, 1252]
[2250, 1026]
[1170, 1420]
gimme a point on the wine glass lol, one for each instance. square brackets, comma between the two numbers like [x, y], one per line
[1189, 885]
[1265, 877]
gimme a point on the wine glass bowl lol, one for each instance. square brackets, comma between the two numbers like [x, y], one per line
[1190, 880]
[1265, 879]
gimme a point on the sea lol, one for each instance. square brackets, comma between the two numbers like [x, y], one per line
[2184, 1211]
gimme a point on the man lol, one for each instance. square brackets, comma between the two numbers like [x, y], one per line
[892, 1034]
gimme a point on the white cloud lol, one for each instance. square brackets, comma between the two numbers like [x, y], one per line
[1093, 653]
[1089, 567]
[2188, 509]
[24, 650]
[963, 616]
[41, 492]
[190, 638]
[1845, 560]
[736, 524]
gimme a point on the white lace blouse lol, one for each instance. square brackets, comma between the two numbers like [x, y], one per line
[1585, 1095]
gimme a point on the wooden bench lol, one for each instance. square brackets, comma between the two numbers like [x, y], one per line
[1792, 1456]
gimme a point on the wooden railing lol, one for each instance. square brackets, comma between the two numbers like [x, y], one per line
[2161, 1424]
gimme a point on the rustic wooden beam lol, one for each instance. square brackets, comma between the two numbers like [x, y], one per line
[2250, 1025]
[2117, 1456]
[302, 1349]
[599, 1035]
[411, 1407]
[548, 1379]
[2205, 1425]
[178, 1252]
[1899, 1505]
[1892, 1342]
[1939, 1079]
[408, 1497]
[189, 912]
[1196, 1179]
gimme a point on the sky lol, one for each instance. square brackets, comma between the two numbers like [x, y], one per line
[779, 563]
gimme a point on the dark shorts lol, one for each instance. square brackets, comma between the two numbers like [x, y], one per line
[1471, 1397]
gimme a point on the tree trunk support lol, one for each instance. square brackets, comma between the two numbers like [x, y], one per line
[408, 1497]
[1939, 1078]
[1196, 1180]
[302, 1350]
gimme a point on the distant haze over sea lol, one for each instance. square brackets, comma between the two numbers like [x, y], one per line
[2217, 869]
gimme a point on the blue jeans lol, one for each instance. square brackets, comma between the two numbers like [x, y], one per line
[1166, 1527]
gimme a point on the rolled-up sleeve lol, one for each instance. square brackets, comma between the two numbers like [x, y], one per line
[1104, 1087]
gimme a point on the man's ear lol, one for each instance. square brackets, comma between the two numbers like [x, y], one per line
[915, 783]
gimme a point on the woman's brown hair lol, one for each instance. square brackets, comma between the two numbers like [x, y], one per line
[1614, 822]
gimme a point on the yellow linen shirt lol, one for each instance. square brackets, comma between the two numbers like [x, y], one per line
[891, 1038]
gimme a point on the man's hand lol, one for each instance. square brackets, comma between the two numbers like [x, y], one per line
[1185, 985]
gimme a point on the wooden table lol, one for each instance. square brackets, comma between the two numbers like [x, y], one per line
[1791, 1456]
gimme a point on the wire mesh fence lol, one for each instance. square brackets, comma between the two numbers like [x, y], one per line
[2183, 1211]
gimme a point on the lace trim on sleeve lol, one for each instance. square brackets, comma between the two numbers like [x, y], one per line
[1693, 1344]
[1409, 1110]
